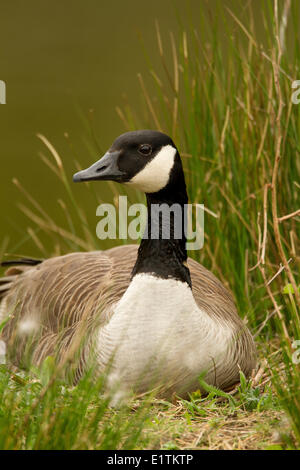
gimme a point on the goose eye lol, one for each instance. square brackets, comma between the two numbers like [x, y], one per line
[145, 149]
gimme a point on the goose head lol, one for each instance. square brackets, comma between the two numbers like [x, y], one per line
[146, 160]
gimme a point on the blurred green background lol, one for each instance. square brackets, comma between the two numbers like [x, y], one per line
[67, 65]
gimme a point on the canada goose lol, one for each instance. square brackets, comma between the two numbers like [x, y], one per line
[153, 316]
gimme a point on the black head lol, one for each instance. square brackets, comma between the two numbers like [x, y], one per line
[145, 159]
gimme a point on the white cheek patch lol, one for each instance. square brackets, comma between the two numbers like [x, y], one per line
[155, 175]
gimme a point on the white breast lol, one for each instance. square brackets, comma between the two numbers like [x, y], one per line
[158, 334]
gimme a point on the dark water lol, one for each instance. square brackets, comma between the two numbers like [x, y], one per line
[60, 60]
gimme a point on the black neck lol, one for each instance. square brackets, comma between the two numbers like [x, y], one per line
[162, 251]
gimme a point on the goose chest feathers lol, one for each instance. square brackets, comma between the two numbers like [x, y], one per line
[146, 316]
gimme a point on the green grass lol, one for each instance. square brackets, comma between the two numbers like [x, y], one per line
[37, 412]
[224, 94]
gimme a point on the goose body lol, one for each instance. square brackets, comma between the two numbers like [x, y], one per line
[157, 326]
[151, 315]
